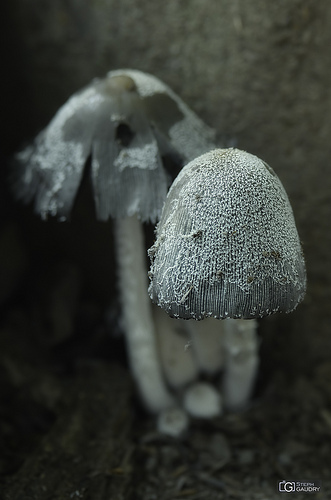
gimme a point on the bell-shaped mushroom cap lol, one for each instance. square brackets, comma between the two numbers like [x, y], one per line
[127, 123]
[227, 244]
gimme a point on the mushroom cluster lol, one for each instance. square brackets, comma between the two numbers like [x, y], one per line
[226, 244]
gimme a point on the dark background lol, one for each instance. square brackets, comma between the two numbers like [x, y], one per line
[259, 72]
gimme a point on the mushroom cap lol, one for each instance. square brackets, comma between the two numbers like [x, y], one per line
[127, 123]
[227, 245]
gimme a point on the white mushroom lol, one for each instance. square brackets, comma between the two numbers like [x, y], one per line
[227, 247]
[202, 400]
[131, 125]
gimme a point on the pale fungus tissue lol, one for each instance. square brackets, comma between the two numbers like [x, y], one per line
[186, 353]
[131, 126]
[227, 247]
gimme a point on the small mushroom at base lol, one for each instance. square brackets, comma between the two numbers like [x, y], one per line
[202, 400]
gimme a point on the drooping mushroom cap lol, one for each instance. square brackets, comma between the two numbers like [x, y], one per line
[127, 123]
[227, 244]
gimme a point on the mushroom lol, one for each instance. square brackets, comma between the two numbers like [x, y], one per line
[201, 400]
[131, 126]
[227, 247]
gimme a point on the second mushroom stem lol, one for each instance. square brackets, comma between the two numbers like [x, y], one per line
[241, 362]
[137, 315]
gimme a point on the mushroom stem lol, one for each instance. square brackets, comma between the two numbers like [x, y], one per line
[207, 344]
[176, 357]
[241, 362]
[137, 315]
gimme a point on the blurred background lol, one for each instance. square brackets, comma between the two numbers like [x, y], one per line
[259, 73]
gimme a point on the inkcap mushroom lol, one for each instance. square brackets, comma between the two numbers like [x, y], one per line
[131, 126]
[227, 244]
[227, 247]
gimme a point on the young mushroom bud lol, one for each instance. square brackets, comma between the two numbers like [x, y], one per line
[227, 245]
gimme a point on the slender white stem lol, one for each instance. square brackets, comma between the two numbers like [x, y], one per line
[137, 315]
[207, 344]
[176, 355]
[241, 362]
